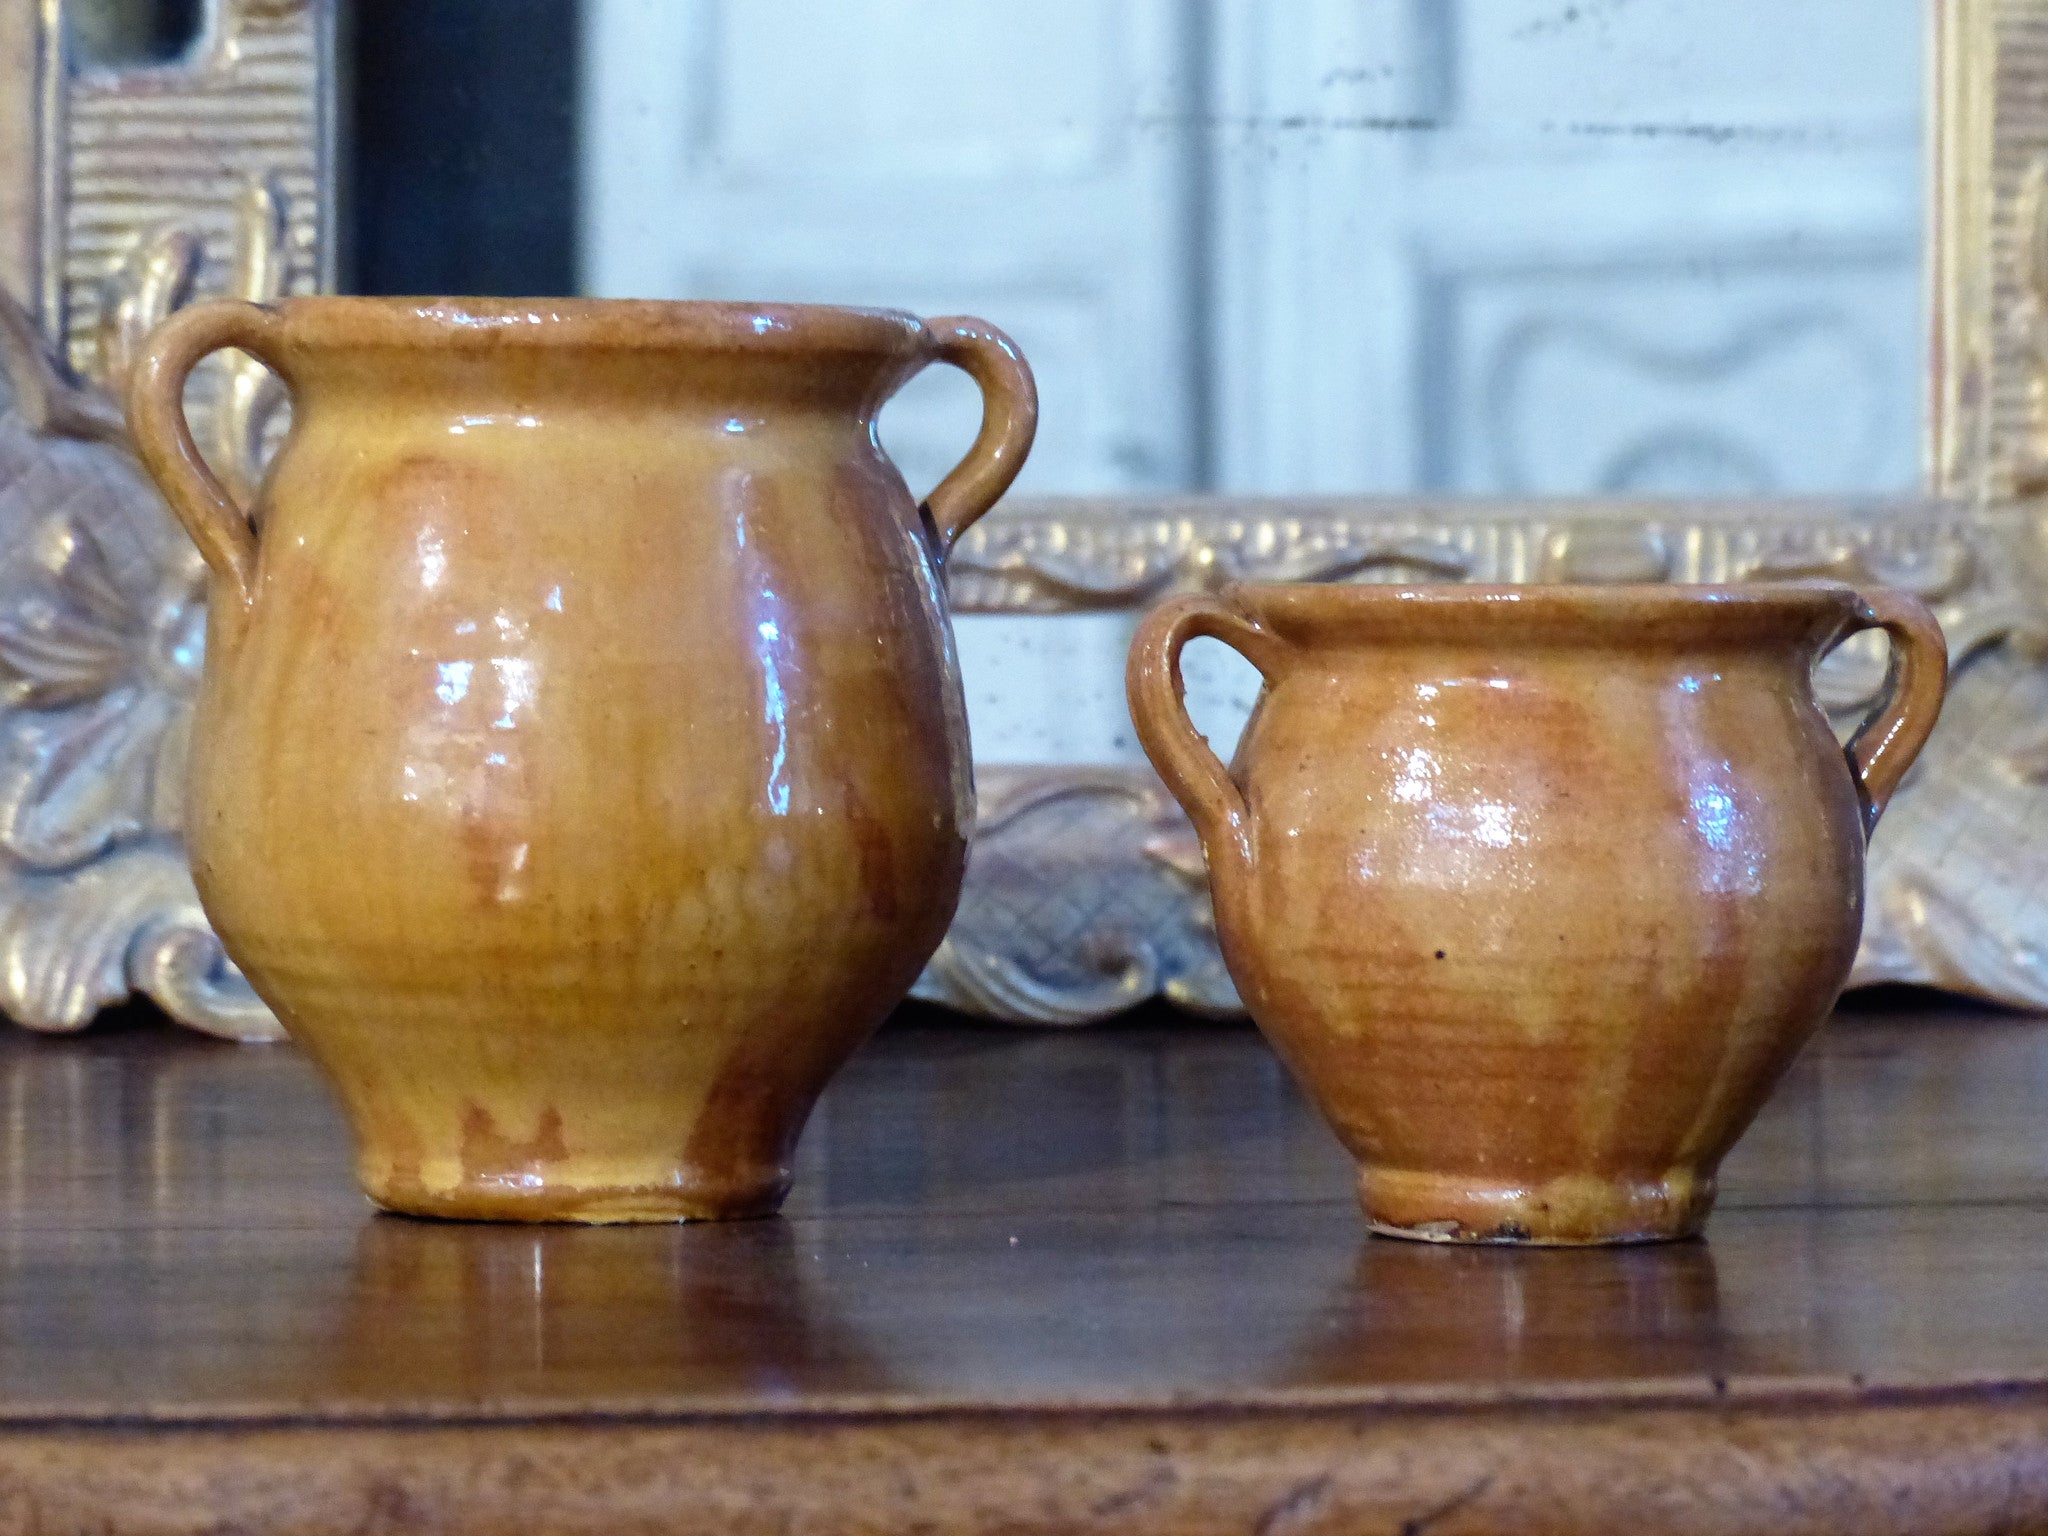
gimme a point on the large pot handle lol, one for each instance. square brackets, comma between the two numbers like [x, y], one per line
[163, 437]
[1009, 421]
[1882, 751]
[1158, 700]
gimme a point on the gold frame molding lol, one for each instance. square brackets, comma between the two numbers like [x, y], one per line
[1988, 249]
[123, 194]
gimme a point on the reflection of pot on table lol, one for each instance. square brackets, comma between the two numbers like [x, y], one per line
[164, 1144]
[1450, 1314]
[485, 1313]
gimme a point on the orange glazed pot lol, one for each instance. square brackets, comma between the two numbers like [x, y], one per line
[1538, 890]
[580, 770]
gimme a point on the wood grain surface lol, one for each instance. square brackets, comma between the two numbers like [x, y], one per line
[1111, 1280]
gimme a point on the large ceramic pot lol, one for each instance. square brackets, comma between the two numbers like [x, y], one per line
[1538, 890]
[580, 769]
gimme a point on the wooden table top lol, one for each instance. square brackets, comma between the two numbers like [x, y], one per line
[1111, 1279]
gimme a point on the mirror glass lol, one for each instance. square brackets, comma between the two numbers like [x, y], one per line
[1487, 247]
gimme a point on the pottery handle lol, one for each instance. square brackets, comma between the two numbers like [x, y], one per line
[1882, 751]
[163, 437]
[1158, 700]
[1009, 421]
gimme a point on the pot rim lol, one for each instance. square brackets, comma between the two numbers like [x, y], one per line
[615, 325]
[1446, 610]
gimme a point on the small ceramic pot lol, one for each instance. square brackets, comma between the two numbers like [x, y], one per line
[1538, 890]
[580, 769]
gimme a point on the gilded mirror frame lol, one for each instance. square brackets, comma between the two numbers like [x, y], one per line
[123, 194]
[1086, 893]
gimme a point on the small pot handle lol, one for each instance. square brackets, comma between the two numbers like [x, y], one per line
[1158, 701]
[1884, 748]
[163, 437]
[1009, 421]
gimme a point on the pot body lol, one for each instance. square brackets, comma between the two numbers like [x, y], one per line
[585, 774]
[1539, 893]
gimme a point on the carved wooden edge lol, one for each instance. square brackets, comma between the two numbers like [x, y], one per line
[1955, 1462]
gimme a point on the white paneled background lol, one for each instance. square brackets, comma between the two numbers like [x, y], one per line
[1488, 246]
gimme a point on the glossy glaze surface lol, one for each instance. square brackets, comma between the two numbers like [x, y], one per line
[580, 770]
[1538, 890]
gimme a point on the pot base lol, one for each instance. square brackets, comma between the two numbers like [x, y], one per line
[678, 1199]
[1571, 1211]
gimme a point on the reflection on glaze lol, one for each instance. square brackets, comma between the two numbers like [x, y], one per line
[1728, 848]
[1489, 823]
[770, 647]
[1417, 782]
[451, 758]
[1713, 811]
[419, 780]
[433, 558]
[517, 683]
[1735, 848]
[775, 710]
[461, 426]
[459, 316]
[510, 886]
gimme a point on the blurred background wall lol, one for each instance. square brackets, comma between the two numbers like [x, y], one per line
[1509, 246]
[1531, 247]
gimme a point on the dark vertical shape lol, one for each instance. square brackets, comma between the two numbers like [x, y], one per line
[1433, 353]
[462, 122]
[127, 34]
[1434, 26]
[1434, 29]
[1198, 97]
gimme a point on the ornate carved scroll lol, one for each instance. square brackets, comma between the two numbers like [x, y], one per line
[130, 192]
